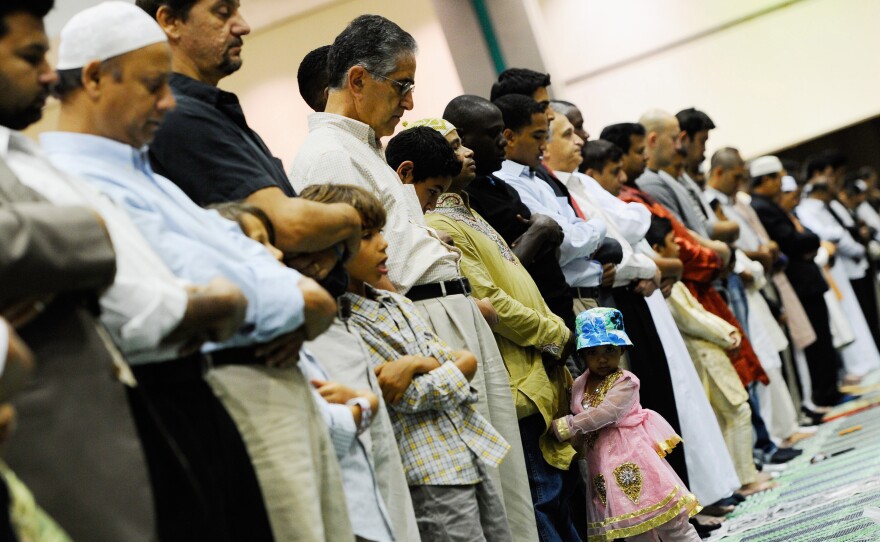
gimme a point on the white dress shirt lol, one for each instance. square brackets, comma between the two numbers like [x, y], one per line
[816, 216]
[582, 238]
[146, 301]
[632, 266]
[340, 150]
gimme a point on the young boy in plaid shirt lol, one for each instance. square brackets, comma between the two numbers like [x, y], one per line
[445, 445]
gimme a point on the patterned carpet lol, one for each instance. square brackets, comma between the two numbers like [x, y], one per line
[823, 500]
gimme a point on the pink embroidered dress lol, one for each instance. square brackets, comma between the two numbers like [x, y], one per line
[631, 489]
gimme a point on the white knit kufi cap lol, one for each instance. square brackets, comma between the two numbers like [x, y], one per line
[765, 165]
[107, 30]
[789, 184]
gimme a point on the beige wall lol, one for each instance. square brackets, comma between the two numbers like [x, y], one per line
[769, 82]
[267, 86]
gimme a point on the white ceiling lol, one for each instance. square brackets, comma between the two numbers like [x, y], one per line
[259, 13]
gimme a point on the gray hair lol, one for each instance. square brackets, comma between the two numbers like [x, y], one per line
[371, 41]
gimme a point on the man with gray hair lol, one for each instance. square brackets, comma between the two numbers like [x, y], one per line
[371, 69]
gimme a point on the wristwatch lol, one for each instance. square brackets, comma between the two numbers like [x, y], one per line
[366, 412]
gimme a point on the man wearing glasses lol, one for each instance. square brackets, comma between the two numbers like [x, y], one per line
[371, 72]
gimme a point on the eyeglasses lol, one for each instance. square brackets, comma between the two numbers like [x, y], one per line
[403, 88]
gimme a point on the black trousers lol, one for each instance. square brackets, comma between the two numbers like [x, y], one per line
[204, 484]
[648, 362]
[867, 296]
[823, 360]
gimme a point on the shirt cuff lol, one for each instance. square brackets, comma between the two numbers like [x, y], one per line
[342, 428]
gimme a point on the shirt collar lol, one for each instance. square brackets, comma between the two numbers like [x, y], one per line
[200, 91]
[87, 144]
[358, 129]
[451, 200]
[720, 196]
[369, 306]
[515, 169]
[13, 139]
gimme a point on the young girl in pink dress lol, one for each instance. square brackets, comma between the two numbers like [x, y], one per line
[632, 492]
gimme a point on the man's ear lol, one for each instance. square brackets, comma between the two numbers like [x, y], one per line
[356, 78]
[405, 172]
[592, 172]
[509, 135]
[91, 78]
[651, 139]
[169, 22]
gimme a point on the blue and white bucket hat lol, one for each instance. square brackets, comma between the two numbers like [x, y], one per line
[600, 326]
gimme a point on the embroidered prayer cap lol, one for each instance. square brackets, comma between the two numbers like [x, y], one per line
[789, 184]
[104, 31]
[765, 165]
[441, 125]
[600, 326]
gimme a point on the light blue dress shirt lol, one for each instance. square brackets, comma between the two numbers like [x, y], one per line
[582, 237]
[369, 517]
[196, 244]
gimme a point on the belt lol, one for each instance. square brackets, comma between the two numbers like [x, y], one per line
[439, 289]
[175, 371]
[246, 355]
[591, 292]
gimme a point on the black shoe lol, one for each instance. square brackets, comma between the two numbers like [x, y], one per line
[704, 530]
[739, 497]
[783, 455]
[729, 501]
[846, 398]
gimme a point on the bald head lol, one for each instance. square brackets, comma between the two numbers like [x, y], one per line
[661, 139]
[728, 171]
[480, 127]
[657, 120]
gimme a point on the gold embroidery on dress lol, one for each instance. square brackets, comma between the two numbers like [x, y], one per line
[591, 438]
[629, 478]
[599, 484]
[595, 399]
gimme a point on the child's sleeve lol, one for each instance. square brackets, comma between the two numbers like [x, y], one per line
[692, 318]
[617, 403]
[443, 389]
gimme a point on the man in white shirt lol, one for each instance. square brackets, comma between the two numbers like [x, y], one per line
[371, 68]
[526, 129]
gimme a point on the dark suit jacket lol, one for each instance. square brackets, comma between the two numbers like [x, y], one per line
[76, 446]
[804, 275]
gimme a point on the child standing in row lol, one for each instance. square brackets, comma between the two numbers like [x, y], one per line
[632, 492]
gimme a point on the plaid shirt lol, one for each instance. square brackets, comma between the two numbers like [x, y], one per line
[439, 433]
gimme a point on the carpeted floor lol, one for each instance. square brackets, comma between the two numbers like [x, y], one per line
[822, 500]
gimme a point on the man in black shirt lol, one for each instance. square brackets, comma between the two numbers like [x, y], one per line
[206, 147]
[533, 238]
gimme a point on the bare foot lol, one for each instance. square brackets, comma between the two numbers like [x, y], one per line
[795, 438]
[757, 487]
[703, 519]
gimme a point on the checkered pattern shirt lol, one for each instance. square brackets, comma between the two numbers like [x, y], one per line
[439, 433]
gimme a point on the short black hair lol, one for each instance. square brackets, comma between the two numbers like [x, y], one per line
[37, 8]
[371, 41]
[180, 8]
[517, 110]
[598, 153]
[312, 77]
[427, 149]
[818, 162]
[693, 120]
[658, 230]
[466, 112]
[518, 81]
[71, 79]
[620, 134]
